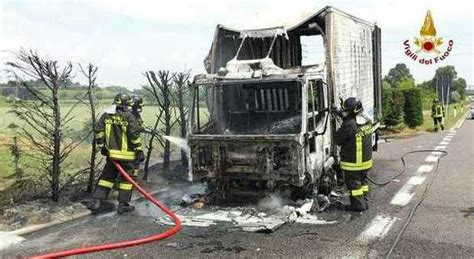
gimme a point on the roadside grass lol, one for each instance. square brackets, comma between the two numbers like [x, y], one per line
[450, 121]
[428, 125]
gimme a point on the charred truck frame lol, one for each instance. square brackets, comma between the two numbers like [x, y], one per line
[260, 117]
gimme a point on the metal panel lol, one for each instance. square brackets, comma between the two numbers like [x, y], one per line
[377, 45]
[352, 60]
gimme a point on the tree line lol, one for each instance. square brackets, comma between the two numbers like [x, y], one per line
[403, 101]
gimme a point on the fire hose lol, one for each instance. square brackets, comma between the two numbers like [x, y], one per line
[127, 243]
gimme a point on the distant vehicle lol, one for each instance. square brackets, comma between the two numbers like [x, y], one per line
[260, 118]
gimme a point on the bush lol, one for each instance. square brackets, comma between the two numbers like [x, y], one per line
[412, 108]
[394, 113]
[427, 96]
[386, 97]
[455, 97]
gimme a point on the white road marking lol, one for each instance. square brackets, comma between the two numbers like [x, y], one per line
[444, 142]
[403, 196]
[376, 229]
[416, 180]
[431, 158]
[440, 147]
[9, 239]
[424, 169]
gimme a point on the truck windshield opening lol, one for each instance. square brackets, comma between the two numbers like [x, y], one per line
[248, 108]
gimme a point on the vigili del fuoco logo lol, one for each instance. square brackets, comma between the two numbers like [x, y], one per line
[428, 48]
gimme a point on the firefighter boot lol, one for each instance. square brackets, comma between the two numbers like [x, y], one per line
[366, 199]
[124, 207]
[357, 204]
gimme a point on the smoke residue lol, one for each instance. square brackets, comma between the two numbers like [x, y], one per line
[274, 202]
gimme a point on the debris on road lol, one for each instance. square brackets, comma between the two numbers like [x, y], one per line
[9, 239]
[248, 219]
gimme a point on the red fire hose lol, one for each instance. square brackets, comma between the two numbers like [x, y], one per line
[128, 243]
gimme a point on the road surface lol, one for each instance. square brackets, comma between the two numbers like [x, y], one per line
[443, 225]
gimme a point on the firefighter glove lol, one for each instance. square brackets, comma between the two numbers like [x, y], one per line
[104, 151]
[139, 156]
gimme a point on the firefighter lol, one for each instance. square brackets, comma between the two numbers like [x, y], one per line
[355, 138]
[136, 106]
[118, 136]
[437, 112]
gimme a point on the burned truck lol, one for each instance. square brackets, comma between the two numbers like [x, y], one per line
[260, 117]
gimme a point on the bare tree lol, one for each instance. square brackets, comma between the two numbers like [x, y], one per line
[150, 145]
[161, 88]
[91, 74]
[180, 97]
[43, 117]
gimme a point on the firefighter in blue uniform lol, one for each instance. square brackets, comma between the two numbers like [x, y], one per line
[355, 138]
[118, 136]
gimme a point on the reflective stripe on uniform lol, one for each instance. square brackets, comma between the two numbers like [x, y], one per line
[136, 141]
[99, 135]
[357, 192]
[124, 138]
[439, 110]
[135, 172]
[121, 155]
[358, 149]
[108, 128]
[105, 183]
[125, 186]
[365, 188]
[356, 166]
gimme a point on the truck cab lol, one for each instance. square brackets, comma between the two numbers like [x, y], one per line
[260, 119]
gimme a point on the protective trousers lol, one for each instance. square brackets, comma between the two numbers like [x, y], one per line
[357, 184]
[438, 120]
[110, 176]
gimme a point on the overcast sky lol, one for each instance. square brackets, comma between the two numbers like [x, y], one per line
[125, 38]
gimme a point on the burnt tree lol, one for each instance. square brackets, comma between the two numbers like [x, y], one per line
[91, 74]
[45, 123]
[150, 145]
[181, 93]
[160, 86]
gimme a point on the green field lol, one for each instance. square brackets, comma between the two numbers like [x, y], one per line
[79, 157]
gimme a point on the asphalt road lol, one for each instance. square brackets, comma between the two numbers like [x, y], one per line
[442, 226]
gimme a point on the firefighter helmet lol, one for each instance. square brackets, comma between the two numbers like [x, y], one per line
[352, 105]
[136, 102]
[121, 100]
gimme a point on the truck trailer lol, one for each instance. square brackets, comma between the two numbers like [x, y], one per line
[260, 117]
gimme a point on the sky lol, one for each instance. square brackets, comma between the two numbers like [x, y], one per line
[125, 38]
